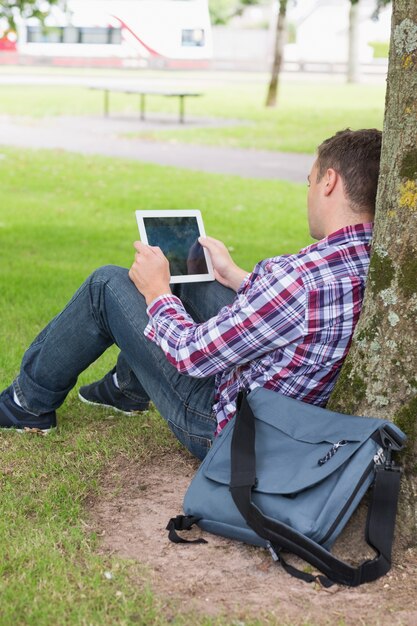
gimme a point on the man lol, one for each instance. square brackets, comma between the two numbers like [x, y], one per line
[286, 326]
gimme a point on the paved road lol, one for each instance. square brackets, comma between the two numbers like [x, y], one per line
[104, 136]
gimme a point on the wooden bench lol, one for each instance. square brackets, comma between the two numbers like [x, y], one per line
[143, 92]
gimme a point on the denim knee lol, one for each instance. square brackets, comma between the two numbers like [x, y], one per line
[110, 286]
[110, 273]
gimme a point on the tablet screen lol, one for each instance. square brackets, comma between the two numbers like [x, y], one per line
[178, 239]
[176, 232]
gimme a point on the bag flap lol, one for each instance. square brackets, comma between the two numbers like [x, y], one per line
[309, 422]
[291, 438]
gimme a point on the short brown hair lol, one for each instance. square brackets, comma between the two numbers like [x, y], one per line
[355, 155]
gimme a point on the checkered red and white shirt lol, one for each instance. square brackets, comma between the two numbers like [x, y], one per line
[288, 329]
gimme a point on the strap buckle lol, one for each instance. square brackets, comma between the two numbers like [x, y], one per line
[391, 439]
[182, 522]
[391, 443]
[275, 556]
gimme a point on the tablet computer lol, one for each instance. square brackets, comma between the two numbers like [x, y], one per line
[176, 233]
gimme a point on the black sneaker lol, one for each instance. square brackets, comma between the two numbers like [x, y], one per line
[14, 416]
[105, 393]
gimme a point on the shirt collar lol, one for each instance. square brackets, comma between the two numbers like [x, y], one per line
[358, 232]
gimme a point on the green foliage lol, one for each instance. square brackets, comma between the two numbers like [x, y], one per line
[291, 32]
[9, 10]
[380, 48]
[380, 4]
[222, 11]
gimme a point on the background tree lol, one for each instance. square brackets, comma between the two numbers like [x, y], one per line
[9, 10]
[222, 11]
[353, 43]
[380, 4]
[353, 37]
[379, 376]
[280, 32]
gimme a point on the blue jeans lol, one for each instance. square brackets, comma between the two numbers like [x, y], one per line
[106, 310]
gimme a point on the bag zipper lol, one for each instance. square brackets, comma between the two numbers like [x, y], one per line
[348, 503]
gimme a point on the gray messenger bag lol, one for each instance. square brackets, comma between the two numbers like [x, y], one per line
[287, 476]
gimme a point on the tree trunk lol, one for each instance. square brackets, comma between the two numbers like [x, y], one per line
[271, 98]
[379, 377]
[353, 44]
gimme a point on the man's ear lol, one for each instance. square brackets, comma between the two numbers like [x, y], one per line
[330, 180]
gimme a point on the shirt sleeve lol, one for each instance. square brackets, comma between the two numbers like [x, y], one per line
[268, 312]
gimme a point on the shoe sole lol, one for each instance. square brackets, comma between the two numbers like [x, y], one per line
[108, 406]
[28, 429]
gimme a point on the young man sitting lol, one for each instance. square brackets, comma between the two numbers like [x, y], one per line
[286, 326]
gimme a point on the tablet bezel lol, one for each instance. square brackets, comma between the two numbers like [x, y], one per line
[188, 278]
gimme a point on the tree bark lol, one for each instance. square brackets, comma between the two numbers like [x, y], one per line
[379, 377]
[353, 43]
[272, 96]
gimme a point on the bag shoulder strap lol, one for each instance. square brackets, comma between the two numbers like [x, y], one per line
[379, 526]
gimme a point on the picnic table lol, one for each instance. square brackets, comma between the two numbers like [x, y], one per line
[144, 91]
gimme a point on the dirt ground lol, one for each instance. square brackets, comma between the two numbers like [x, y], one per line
[223, 577]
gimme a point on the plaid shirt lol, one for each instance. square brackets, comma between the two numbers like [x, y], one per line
[288, 329]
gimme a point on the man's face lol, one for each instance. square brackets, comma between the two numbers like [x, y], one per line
[313, 204]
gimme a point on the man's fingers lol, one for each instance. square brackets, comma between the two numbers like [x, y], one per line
[209, 240]
[143, 248]
[139, 246]
[157, 250]
[210, 243]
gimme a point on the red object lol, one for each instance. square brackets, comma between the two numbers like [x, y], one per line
[7, 45]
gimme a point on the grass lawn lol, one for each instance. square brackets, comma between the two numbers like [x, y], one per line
[61, 216]
[307, 112]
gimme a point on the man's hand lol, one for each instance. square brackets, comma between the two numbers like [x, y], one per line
[150, 271]
[225, 269]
